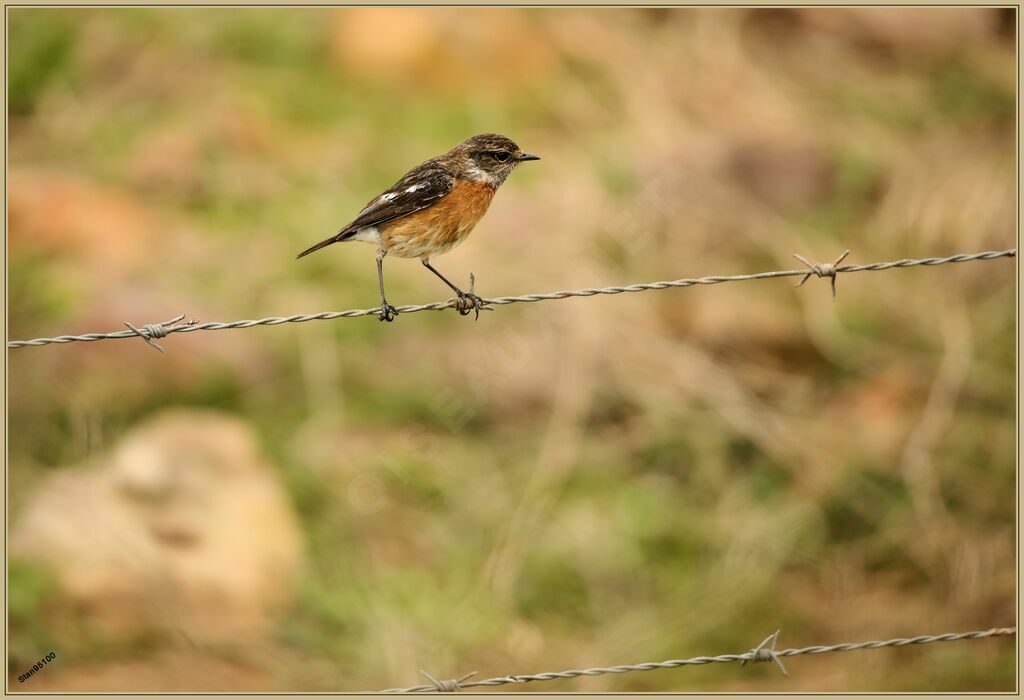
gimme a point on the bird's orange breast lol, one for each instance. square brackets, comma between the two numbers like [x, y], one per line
[441, 226]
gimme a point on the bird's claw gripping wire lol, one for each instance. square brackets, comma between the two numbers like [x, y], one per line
[468, 301]
[471, 302]
[387, 312]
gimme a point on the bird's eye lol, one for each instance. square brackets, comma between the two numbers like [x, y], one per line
[501, 156]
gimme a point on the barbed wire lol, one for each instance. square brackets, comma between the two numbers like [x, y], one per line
[763, 652]
[151, 331]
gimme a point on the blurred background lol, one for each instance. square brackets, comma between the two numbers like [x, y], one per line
[335, 505]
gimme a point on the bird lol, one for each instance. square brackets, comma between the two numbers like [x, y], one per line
[432, 209]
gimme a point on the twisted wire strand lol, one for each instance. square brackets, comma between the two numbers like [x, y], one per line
[150, 331]
[760, 653]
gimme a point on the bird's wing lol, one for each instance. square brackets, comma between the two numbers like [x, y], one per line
[417, 190]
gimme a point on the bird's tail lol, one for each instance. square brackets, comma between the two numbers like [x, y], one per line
[323, 244]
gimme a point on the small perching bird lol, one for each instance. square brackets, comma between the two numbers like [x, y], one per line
[433, 208]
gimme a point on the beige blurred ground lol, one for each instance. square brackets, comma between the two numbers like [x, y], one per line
[336, 505]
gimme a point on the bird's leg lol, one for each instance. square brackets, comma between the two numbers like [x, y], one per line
[468, 301]
[387, 311]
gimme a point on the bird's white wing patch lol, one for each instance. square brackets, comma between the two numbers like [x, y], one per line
[417, 190]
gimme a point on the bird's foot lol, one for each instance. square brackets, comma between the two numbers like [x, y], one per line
[387, 312]
[468, 301]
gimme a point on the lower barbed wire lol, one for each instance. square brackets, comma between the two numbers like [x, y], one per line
[763, 652]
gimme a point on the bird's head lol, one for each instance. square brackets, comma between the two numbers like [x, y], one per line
[489, 157]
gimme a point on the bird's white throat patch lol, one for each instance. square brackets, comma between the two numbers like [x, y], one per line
[477, 174]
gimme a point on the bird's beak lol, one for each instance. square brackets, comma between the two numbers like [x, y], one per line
[527, 156]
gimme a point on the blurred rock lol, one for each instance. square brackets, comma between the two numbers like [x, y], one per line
[183, 529]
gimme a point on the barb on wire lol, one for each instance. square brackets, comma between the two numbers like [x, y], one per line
[155, 330]
[822, 270]
[160, 330]
[451, 686]
[765, 651]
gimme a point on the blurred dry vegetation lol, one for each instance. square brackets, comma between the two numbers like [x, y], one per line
[336, 505]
